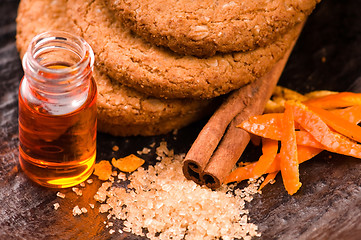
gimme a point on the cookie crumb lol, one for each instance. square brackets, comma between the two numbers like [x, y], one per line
[61, 195]
[111, 231]
[91, 205]
[115, 148]
[89, 181]
[82, 184]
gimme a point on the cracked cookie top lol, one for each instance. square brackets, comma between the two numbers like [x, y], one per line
[160, 72]
[205, 27]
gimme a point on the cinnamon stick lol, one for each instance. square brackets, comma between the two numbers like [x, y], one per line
[204, 164]
[235, 140]
[209, 137]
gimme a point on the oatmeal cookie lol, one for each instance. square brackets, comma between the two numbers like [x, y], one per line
[204, 27]
[123, 111]
[161, 72]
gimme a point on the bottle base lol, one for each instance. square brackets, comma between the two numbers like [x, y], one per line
[57, 175]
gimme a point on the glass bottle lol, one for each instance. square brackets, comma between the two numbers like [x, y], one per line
[57, 110]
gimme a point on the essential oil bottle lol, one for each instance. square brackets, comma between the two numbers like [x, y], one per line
[57, 110]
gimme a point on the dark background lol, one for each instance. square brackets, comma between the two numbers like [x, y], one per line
[328, 205]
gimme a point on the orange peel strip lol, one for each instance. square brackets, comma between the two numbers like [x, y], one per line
[304, 153]
[332, 141]
[338, 124]
[269, 149]
[351, 114]
[270, 126]
[288, 153]
[338, 100]
[270, 177]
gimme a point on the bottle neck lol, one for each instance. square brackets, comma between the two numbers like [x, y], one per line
[58, 63]
[58, 70]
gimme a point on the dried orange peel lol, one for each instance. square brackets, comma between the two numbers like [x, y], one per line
[288, 153]
[128, 164]
[270, 126]
[338, 123]
[337, 100]
[351, 114]
[269, 150]
[304, 129]
[269, 179]
[103, 170]
[304, 153]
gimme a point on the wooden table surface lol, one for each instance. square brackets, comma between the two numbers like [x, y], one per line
[328, 206]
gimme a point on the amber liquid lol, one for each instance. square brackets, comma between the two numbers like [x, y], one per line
[57, 150]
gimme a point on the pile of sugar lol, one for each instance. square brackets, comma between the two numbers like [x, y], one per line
[160, 203]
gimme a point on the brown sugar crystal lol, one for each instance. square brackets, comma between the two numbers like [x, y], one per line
[160, 200]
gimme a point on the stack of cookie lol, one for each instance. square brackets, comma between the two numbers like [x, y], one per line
[161, 64]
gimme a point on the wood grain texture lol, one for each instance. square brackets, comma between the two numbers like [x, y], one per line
[328, 205]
